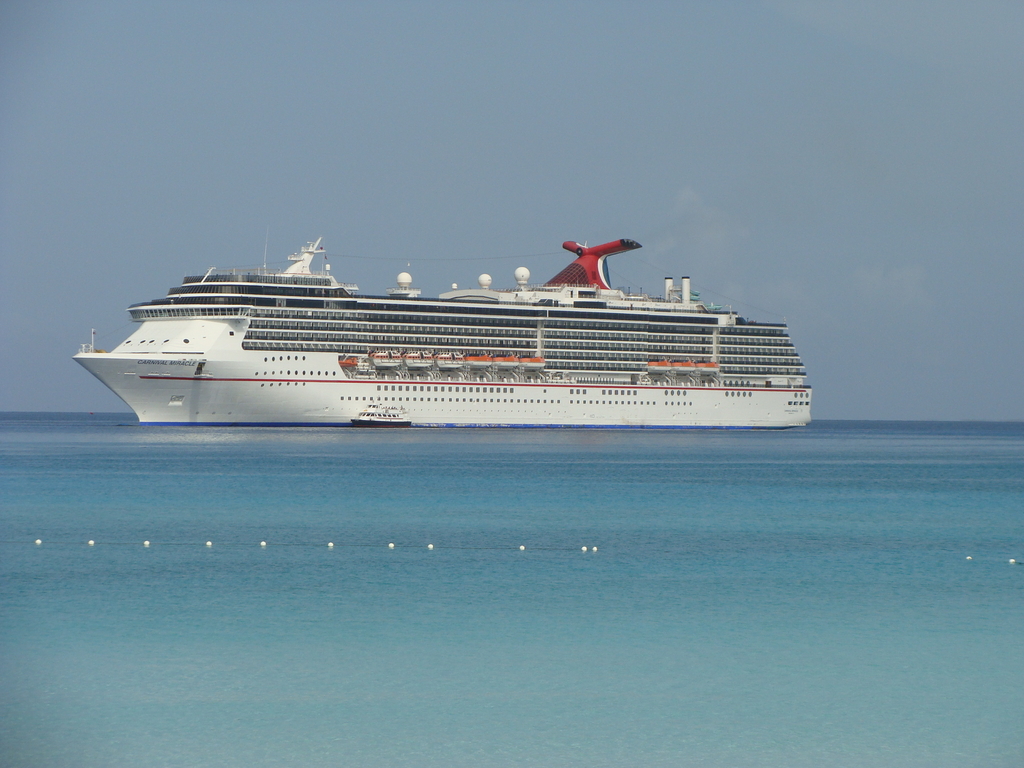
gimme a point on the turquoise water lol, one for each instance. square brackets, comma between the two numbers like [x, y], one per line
[800, 598]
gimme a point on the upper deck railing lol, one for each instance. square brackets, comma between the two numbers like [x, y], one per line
[260, 275]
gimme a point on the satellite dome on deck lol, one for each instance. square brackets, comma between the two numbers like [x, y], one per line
[522, 275]
[404, 280]
[484, 280]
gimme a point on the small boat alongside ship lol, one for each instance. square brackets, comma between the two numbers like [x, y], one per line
[377, 415]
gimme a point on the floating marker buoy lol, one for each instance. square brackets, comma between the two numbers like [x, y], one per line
[584, 549]
[969, 557]
[92, 543]
[391, 545]
[1012, 561]
[521, 548]
[209, 543]
[39, 541]
[330, 544]
[263, 543]
[593, 549]
[430, 546]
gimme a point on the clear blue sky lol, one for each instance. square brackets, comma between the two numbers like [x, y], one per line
[857, 168]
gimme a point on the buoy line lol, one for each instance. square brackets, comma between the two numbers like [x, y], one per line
[267, 544]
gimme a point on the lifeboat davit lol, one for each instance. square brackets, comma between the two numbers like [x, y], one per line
[386, 359]
[533, 363]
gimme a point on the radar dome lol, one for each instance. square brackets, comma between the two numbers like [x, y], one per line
[484, 280]
[522, 275]
[404, 280]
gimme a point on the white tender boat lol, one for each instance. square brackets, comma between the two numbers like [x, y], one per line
[377, 415]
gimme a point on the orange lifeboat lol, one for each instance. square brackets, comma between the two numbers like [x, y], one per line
[507, 361]
[479, 361]
[533, 363]
[348, 361]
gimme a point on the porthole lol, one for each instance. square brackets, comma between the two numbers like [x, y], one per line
[185, 340]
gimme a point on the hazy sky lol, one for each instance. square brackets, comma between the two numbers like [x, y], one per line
[857, 168]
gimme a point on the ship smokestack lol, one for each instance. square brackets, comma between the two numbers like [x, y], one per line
[685, 291]
[670, 285]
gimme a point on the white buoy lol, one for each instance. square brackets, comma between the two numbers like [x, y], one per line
[1012, 561]
[430, 546]
[969, 557]
[330, 544]
[39, 541]
[522, 548]
[92, 543]
[584, 549]
[593, 549]
[391, 545]
[209, 543]
[145, 543]
[263, 543]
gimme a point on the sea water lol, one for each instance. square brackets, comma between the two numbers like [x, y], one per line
[797, 598]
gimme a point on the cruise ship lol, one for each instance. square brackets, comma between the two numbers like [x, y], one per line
[295, 347]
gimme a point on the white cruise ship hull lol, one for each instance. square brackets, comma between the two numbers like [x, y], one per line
[234, 386]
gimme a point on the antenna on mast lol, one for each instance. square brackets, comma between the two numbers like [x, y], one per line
[266, 242]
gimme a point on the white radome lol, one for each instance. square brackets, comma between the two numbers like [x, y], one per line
[404, 279]
[522, 275]
[484, 280]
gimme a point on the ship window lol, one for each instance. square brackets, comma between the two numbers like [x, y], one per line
[378, 387]
[185, 340]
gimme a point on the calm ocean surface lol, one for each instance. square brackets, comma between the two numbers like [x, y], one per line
[797, 598]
